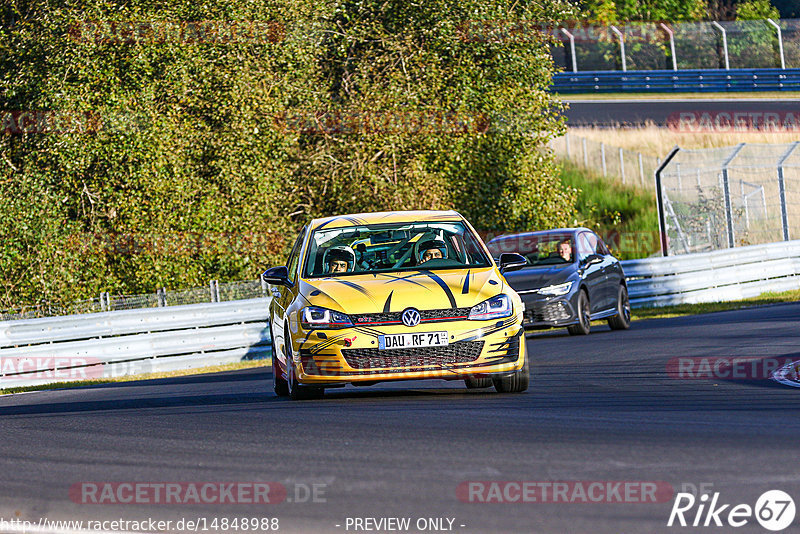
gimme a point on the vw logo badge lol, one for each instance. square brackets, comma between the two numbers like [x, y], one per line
[410, 317]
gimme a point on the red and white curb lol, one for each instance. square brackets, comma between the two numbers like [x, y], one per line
[788, 375]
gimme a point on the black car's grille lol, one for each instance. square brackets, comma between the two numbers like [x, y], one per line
[461, 352]
[446, 314]
[546, 312]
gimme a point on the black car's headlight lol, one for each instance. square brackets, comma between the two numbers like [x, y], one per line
[493, 308]
[315, 317]
[556, 290]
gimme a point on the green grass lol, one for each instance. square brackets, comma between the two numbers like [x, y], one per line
[148, 376]
[625, 216]
[771, 95]
[695, 309]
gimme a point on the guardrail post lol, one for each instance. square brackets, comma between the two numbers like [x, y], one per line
[105, 301]
[621, 46]
[726, 191]
[161, 294]
[724, 42]
[571, 49]
[214, 286]
[662, 221]
[622, 165]
[782, 191]
[603, 157]
[641, 169]
[671, 45]
[780, 42]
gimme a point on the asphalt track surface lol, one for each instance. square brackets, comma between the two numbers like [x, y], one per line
[636, 112]
[601, 408]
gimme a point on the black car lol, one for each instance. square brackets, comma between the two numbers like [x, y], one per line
[570, 279]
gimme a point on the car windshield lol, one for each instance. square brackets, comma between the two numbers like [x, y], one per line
[538, 249]
[389, 248]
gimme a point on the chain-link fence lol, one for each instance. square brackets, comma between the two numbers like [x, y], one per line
[627, 167]
[746, 44]
[719, 198]
[214, 292]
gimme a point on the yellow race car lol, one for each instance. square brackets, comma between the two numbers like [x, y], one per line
[394, 296]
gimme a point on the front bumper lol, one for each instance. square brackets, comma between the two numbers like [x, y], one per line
[549, 312]
[475, 349]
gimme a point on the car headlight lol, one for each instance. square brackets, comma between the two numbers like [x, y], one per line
[315, 317]
[494, 308]
[557, 290]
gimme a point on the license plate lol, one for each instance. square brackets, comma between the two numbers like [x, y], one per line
[411, 341]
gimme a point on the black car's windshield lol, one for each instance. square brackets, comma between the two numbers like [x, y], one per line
[538, 249]
[397, 247]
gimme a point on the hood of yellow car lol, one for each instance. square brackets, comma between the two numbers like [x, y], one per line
[393, 292]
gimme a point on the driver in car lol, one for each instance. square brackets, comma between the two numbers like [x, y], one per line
[431, 250]
[339, 259]
[565, 249]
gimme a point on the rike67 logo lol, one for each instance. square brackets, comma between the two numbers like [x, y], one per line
[774, 510]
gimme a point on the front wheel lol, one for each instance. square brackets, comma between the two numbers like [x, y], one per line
[519, 381]
[584, 317]
[622, 320]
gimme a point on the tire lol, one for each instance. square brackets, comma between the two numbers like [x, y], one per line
[478, 383]
[279, 384]
[518, 382]
[622, 320]
[584, 316]
[297, 391]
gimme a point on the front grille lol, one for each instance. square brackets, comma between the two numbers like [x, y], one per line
[445, 314]
[546, 312]
[461, 352]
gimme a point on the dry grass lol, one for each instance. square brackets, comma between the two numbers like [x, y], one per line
[657, 141]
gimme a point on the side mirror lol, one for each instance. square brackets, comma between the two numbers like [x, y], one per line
[511, 261]
[592, 259]
[278, 276]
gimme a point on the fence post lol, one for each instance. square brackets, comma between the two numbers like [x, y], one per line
[571, 49]
[671, 45]
[105, 301]
[662, 221]
[782, 190]
[603, 157]
[585, 154]
[214, 287]
[780, 42]
[726, 191]
[680, 179]
[622, 165]
[566, 142]
[641, 170]
[621, 47]
[161, 294]
[724, 42]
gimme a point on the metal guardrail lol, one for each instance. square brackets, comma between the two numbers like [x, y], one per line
[111, 344]
[720, 275]
[668, 81]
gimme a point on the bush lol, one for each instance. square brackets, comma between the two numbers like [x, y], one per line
[175, 153]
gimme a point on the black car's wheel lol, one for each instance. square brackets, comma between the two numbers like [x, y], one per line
[296, 390]
[584, 324]
[478, 383]
[518, 382]
[622, 320]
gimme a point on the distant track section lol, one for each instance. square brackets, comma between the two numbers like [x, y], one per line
[612, 113]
